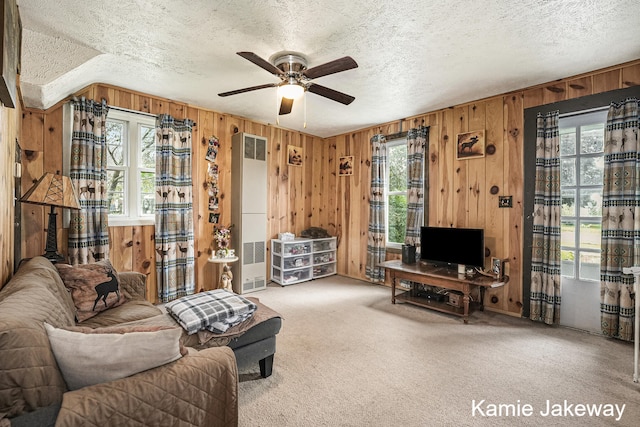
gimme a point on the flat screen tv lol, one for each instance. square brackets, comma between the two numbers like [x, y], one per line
[445, 245]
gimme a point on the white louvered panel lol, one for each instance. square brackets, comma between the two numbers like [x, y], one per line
[259, 252]
[247, 253]
[249, 211]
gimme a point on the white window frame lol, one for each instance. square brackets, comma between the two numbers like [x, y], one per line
[390, 145]
[133, 204]
[570, 121]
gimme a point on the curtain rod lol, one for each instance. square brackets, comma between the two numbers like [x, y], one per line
[400, 133]
[396, 135]
[580, 112]
[142, 113]
[126, 110]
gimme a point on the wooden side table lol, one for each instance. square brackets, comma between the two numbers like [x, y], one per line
[226, 277]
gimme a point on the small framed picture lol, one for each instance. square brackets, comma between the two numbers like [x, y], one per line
[214, 218]
[212, 149]
[345, 166]
[470, 145]
[213, 203]
[212, 171]
[294, 155]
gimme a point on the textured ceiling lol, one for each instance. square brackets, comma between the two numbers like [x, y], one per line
[414, 56]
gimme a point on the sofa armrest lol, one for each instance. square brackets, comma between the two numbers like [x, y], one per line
[133, 285]
[200, 389]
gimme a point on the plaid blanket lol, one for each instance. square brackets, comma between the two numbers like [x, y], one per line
[216, 311]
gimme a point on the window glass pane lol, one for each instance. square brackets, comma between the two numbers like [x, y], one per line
[148, 147]
[591, 203]
[568, 172]
[590, 235]
[115, 141]
[582, 165]
[397, 158]
[592, 138]
[591, 170]
[115, 192]
[590, 266]
[567, 264]
[567, 141]
[568, 233]
[147, 192]
[397, 218]
[131, 166]
[568, 203]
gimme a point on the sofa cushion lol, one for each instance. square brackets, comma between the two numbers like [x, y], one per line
[130, 311]
[127, 329]
[88, 356]
[94, 287]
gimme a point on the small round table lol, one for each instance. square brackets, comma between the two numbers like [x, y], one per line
[225, 273]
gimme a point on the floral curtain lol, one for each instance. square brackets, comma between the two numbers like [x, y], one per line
[174, 209]
[620, 219]
[545, 260]
[417, 140]
[88, 227]
[376, 245]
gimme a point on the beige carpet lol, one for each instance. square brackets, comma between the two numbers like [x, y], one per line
[347, 357]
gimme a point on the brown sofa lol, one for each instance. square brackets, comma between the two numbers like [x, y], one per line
[199, 389]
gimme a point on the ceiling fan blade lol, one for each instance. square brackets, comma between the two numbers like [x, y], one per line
[331, 94]
[266, 65]
[247, 89]
[286, 104]
[332, 67]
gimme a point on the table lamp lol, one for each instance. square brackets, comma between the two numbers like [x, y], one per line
[56, 191]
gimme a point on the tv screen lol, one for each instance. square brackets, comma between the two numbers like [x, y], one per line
[452, 245]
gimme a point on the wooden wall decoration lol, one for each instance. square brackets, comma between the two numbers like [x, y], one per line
[345, 166]
[315, 195]
[470, 145]
[295, 156]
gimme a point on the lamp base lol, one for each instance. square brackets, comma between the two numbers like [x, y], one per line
[53, 256]
[51, 250]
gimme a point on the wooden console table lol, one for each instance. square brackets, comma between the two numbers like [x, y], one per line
[440, 277]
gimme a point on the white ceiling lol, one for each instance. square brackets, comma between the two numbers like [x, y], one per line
[414, 56]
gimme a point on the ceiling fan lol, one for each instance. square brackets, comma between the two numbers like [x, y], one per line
[295, 78]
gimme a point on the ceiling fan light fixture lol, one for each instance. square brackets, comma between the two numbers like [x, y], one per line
[291, 90]
[295, 78]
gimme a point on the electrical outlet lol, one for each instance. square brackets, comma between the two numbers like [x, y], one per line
[505, 201]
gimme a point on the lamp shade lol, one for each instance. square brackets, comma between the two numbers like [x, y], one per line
[53, 190]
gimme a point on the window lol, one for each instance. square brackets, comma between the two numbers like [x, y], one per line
[131, 160]
[581, 169]
[396, 192]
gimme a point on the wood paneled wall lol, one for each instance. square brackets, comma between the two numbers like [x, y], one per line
[9, 132]
[314, 195]
[132, 248]
[460, 190]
